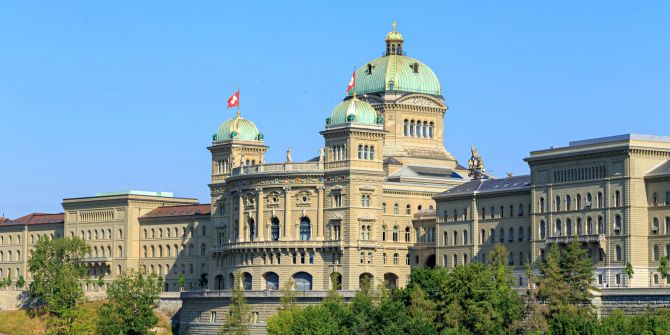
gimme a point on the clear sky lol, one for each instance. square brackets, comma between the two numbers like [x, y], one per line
[100, 96]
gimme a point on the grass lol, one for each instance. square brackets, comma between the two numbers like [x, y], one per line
[21, 323]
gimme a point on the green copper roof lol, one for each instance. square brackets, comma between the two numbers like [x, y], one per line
[238, 128]
[396, 73]
[354, 111]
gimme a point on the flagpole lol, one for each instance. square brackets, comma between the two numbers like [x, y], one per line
[238, 100]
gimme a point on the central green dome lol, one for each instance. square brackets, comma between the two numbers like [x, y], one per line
[395, 72]
[238, 128]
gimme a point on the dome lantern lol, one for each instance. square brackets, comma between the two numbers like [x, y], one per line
[355, 111]
[394, 42]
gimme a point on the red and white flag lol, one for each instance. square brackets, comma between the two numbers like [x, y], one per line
[234, 100]
[352, 82]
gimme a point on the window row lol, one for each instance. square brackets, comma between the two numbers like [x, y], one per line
[580, 228]
[8, 273]
[490, 213]
[520, 236]
[366, 232]
[168, 232]
[418, 128]
[94, 235]
[408, 208]
[655, 226]
[567, 204]
[10, 256]
[9, 239]
[366, 152]
[153, 251]
[338, 152]
[654, 199]
[577, 174]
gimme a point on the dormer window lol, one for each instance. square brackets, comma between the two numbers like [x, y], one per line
[415, 67]
[369, 69]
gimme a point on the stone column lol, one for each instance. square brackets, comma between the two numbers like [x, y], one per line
[231, 218]
[240, 222]
[260, 221]
[287, 210]
[319, 213]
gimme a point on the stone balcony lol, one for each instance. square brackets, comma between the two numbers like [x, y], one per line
[278, 168]
[593, 238]
[277, 245]
[263, 294]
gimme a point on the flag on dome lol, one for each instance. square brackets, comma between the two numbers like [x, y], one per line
[352, 82]
[234, 100]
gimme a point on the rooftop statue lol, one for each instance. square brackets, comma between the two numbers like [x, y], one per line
[475, 164]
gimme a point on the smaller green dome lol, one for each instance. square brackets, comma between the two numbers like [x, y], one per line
[238, 128]
[353, 111]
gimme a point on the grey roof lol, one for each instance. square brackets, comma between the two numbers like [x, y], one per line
[661, 170]
[625, 137]
[425, 172]
[391, 160]
[489, 186]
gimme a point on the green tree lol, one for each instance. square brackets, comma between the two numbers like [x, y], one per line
[101, 281]
[629, 271]
[130, 306]
[663, 268]
[238, 318]
[181, 281]
[20, 282]
[57, 269]
[8, 280]
[553, 289]
[498, 255]
[578, 273]
[288, 296]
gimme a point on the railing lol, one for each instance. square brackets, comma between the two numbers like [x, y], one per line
[593, 238]
[278, 168]
[262, 294]
[277, 245]
[96, 259]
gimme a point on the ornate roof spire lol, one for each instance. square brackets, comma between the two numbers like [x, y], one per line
[394, 42]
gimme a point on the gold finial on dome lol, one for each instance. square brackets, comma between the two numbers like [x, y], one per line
[394, 24]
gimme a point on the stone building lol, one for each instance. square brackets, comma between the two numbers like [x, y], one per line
[384, 196]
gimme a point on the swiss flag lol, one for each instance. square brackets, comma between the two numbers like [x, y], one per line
[234, 100]
[352, 82]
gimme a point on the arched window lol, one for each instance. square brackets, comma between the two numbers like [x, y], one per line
[305, 229]
[303, 281]
[360, 151]
[543, 230]
[271, 281]
[558, 203]
[372, 152]
[120, 251]
[600, 200]
[365, 281]
[617, 225]
[408, 209]
[274, 228]
[252, 229]
[395, 209]
[430, 130]
[657, 253]
[579, 227]
[395, 234]
[404, 129]
[568, 227]
[455, 238]
[589, 201]
[384, 233]
[465, 237]
[418, 128]
[520, 212]
[365, 152]
[411, 128]
[617, 198]
[246, 281]
[601, 225]
[618, 253]
[153, 251]
[559, 228]
[425, 129]
[203, 249]
[520, 234]
[168, 250]
[407, 234]
[160, 251]
[589, 226]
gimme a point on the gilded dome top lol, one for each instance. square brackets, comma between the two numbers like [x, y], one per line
[395, 72]
[238, 128]
[353, 111]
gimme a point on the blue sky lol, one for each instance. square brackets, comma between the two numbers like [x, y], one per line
[101, 96]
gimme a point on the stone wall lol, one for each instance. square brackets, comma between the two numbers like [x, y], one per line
[631, 300]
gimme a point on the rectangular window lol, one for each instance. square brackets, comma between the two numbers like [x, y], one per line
[212, 317]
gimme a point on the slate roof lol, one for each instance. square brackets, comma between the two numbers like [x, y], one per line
[38, 218]
[661, 170]
[182, 210]
[425, 172]
[489, 186]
